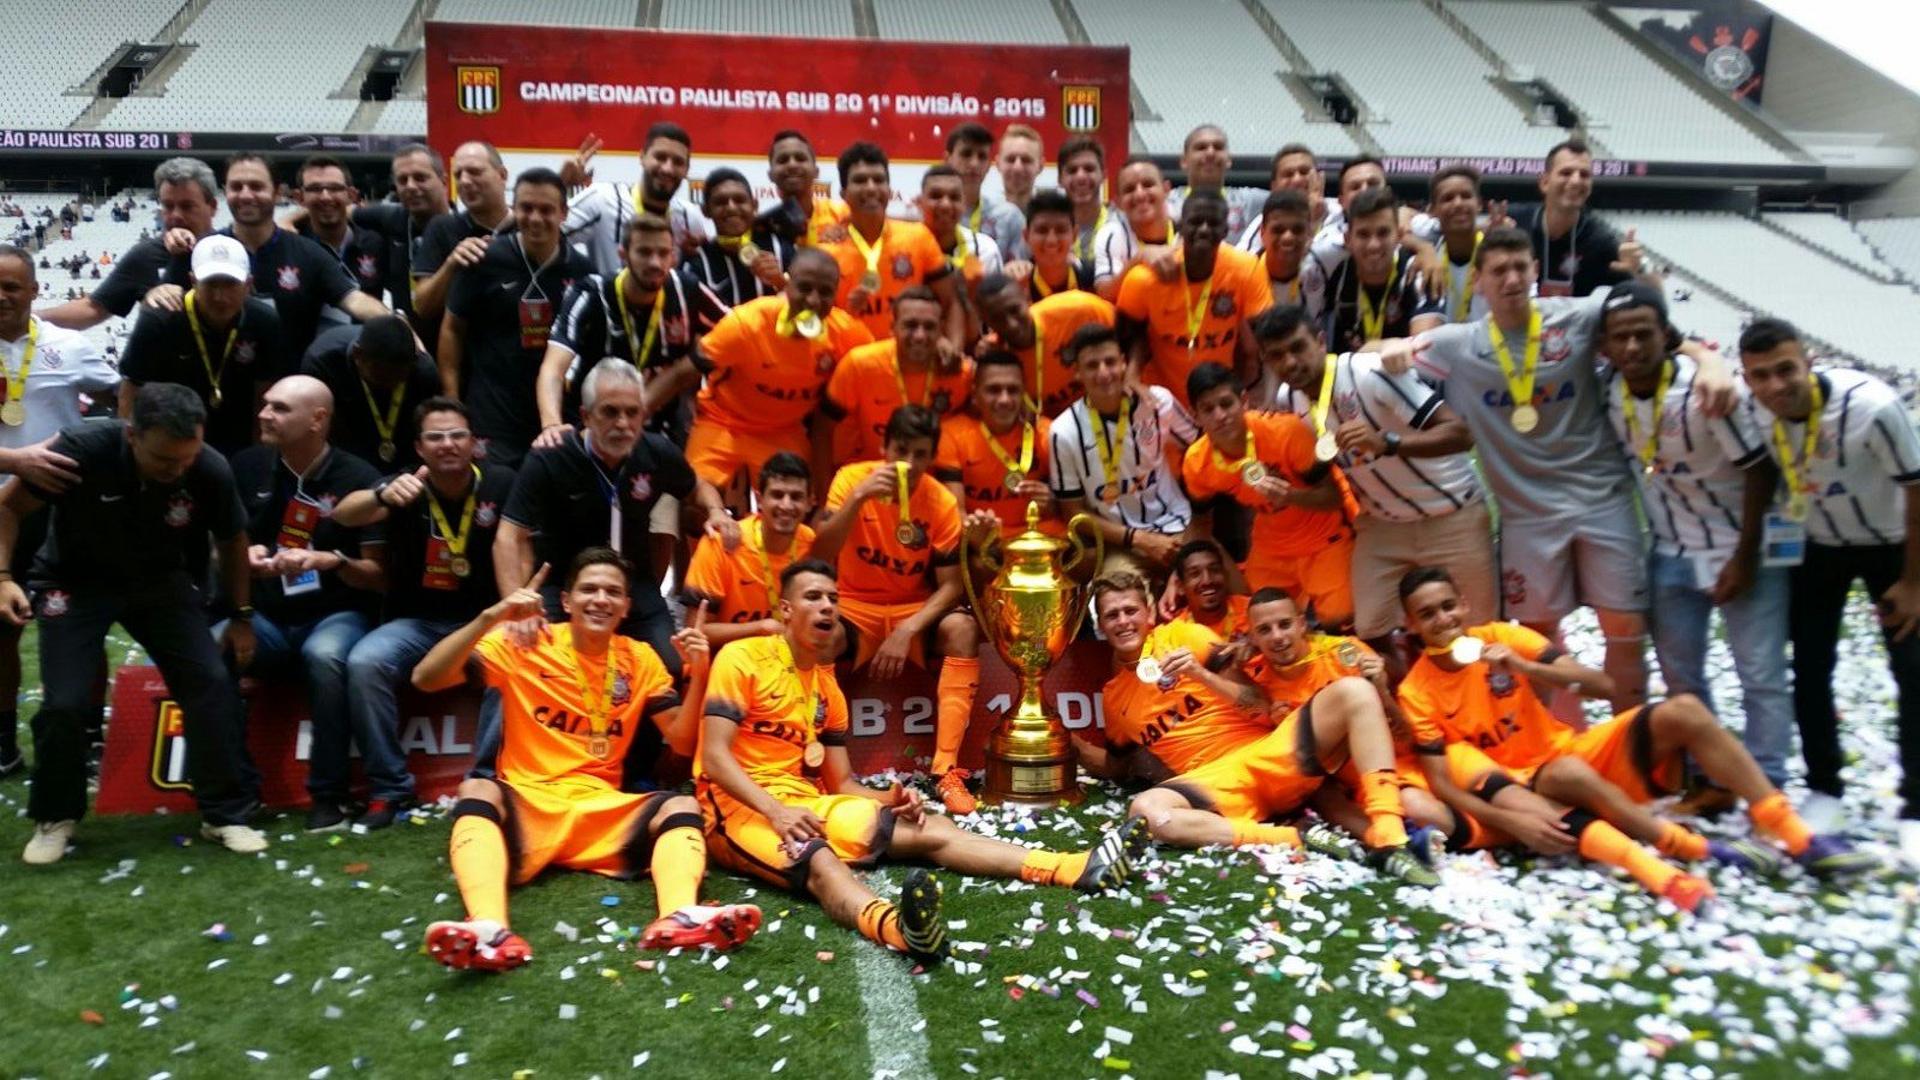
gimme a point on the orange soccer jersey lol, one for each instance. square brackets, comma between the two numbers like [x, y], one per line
[1284, 444]
[1191, 323]
[1185, 726]
[743, 585]
[982, 463]
[875, 566]
[1494, 712]
[869, 384]
[1328, 659]
[547, 727]
[1231, 625]
[908, 255]
[1050, 380]
[763, 379]
[779, 709]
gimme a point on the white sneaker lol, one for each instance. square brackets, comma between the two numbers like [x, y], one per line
[1822, 812]
[49, 842]
[1910, 842]
[240, 839]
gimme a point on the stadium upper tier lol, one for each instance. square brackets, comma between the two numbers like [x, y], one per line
[55, 47]
[1898, 242]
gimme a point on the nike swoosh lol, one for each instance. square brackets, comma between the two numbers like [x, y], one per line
[263, 494]
[508, 286]
[111, 498]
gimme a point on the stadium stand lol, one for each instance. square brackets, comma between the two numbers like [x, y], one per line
[1019, 22]
[1426, 90]
[538, 12]
[1897, 240]
[1832, 234]
[58, 48]
[1633, 105]
[402, 117]
[796, 18]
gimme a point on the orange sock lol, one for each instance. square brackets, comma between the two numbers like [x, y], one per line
[1775, 815]
[1603, 843]
[1386, 818]
[679, 862]
[1681, 843]
[880, 923]
[1246, 833]
[1054, 867]
[478, 852]
[959, 679]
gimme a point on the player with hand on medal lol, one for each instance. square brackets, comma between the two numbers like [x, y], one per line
[996, 460]
[585, 712]
[781, 804]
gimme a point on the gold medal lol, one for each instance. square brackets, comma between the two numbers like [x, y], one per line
[13, 414]
[1326, 447]
[1525, 418]
[1014, 479]
[870, 281]
[214, 398]
[908, 534]
[1797, 507]
[1466, 650]
[1253, 472]
[814, 755]
[808, 324]
[1147, 670]
[748, 252]
[386, 449]
[1347, 653]
[600, 747]
[460, 566]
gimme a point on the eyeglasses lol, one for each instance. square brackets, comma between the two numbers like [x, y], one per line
[432, 438]
[326, 189]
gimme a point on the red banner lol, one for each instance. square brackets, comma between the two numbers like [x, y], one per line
[145, 769]
[536, 91]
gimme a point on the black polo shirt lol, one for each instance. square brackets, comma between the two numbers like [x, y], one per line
[284, 510]
[162, 349]
[1575, 264]
[420, 581]
[145, 264]
[302, 278]
[566, 498]
[363, 257]
[1406, 299]
[112, 529]
[356, 425]
[441, 236]
[590, 326]
[502, 357]
[403, 238]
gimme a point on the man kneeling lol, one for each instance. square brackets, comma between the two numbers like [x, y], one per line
[574, 743]
[777, 789]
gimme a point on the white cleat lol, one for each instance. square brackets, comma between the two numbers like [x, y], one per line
[239, 839]
[49, 843]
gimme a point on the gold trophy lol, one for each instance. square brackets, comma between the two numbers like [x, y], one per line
[1031, 611]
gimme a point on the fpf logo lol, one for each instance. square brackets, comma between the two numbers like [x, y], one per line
[169, 772]
[479, 89]
[1080, 108]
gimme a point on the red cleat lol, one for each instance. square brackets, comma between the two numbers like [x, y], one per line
[953, 793]
[481, 945]
[1688, 893]
[703, 926]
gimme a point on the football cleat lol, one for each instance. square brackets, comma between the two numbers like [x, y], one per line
[480, 945]
[920, 921]
[1110, 863]
[703, 926]
[1830, 855]
[1332, 841]
[1749, 855]
[1399, 862]
[1428, 844]
[953, 793]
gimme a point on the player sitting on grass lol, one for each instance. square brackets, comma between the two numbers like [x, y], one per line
[1485, 693]
[781, 804]
[1235, 768]
[577, 739]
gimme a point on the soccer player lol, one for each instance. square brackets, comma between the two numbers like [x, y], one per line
[1215, 594]
[1200, 315]
[1576, 251]
[905, 368]
[740, 589]
[970, 155]
[1294, 168]
[1038, 333]
[1116, 455]
[1454, 201]
[1022, 155]
[895, 532]
[1376, 292]
[1141, 233]
[1359, 174]
[1204, 159]
[743, 260]
[1294, 276]
[597, 216]
[996, 459]
[880, 257]
[1272, 464]
[581, 707]
[1083, 176]
[457, 240]
[1050, 265]
[1486, 696]
[378, 377]
[804, 215]
[971, 254]
[1849, 463]
[1403, 453]
[777, 790]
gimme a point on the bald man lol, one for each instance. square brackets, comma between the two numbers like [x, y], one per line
[456, 239]
[316, 583]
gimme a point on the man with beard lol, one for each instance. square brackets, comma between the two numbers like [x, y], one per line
[327, 193]
[458, 239]
[904, 369]
[1038, 333]
[598, 215]
[189, 198]
[740, 589]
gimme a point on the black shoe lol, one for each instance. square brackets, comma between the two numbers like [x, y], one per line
[10, 761]
[381, 813]
[920, 921]
[326, 816]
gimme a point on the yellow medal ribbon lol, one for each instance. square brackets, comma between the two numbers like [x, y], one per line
[1519, 383]
[1039, 397]
[757, 541]
[1650, 449]
[900, 381]
[1252, 454]
[1040, 281]
[809, 687]
[17, 380]
[385, 425]
[1325, 402]
[1373, 323]
[1196, 311]
[1462, 304]
[456, 540]
[973, 219]
[200, 339]
[626, 318]
[1111, 453]
[962, 250]
[1025, 464]
[1083, 249]
[1792, 469]
[599, 708]
[869, 252]
[786, 323]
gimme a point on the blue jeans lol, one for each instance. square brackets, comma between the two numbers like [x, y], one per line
[1756, 629]
[318, 650]
[377, 666]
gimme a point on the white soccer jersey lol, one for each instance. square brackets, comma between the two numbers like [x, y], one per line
[65, 365]
[597, 223]
[1150, 493]
[1692, 497]
[1865, 454]
[1115, 245]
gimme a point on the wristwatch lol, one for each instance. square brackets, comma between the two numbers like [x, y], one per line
[1392, 439]
[244, 611]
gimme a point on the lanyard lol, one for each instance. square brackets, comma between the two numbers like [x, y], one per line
[456, 540]
[1293, 287]
[1372, 322]
[973, 219]
[1083, 248]
[598, 706]
[809, 687]
[609, 487]
[644, 348]
[200, 339]
[1251, 455]
[17, 380]
[900, 380]
[1196, 310]
[1793, 469]
[1025, 464]
[1650, 449]
[962, 250]
[533, 289]
[757, 541]
[1519, 383]
[1112, 453]
[1039, 398]
[1040, 281]
[869, 252]
[385, 424]
[1326, 394]
[1463, 303]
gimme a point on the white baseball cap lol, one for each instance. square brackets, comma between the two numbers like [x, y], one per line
[221, 256]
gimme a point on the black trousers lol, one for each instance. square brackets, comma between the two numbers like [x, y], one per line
[168, 618]
[1820, 588]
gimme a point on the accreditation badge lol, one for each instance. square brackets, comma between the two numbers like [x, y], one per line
[536, 321]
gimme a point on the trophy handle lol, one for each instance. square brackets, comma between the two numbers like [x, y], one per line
[987, 559]
[1078, 617]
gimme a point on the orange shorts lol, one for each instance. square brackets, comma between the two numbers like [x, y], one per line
[579, 826]
[871, 623]
[1621, 750]
[858, 830]
[1323, 579]
[1268, 777]
[718, 454]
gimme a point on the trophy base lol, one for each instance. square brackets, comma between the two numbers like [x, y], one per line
[1047, 778]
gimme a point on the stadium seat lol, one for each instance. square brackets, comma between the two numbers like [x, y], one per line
[794, 18]
[538, 12]
[1898, 241]
[54, 47]
[1833, 234]
[1016, 22]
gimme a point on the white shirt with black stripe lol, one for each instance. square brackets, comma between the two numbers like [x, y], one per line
[1867, 452]
[726, 277]
[1692, 498]
[597, 220]
[1150, 493]
[1115, 245]
[1395, 488]
[1243, 205]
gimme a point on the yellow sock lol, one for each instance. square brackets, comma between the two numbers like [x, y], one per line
[1681, 843]
[679, 862]
[478, 852]
[1386, 818]
[1603, 843]
[959, 679]
[879, 923]
[1776, 816]
[1246, 833]
[1054, 867]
